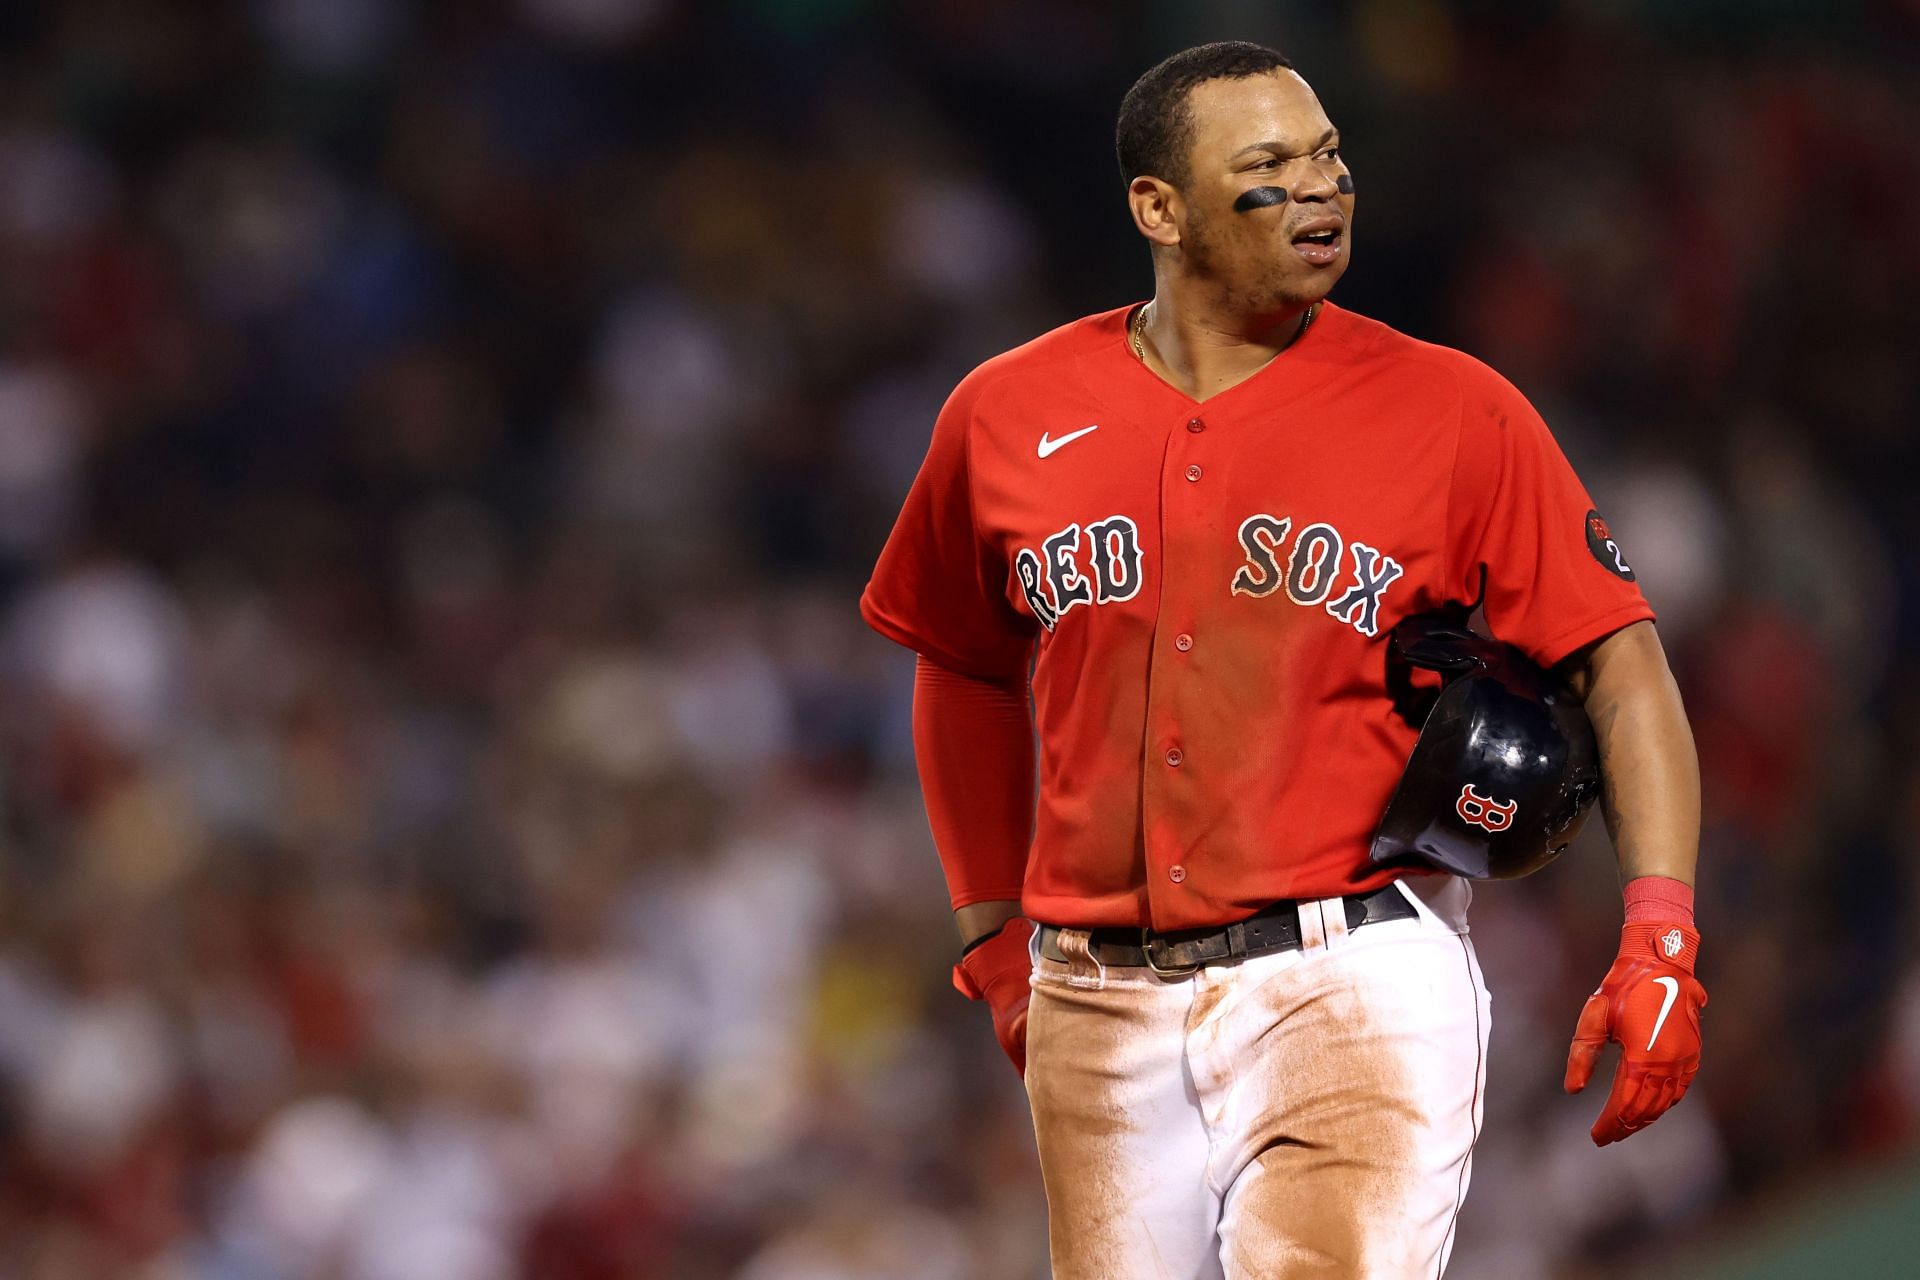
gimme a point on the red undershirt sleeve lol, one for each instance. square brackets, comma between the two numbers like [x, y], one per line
[973, 742]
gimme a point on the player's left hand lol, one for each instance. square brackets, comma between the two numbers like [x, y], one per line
[1649, 1003]
[1000, 971]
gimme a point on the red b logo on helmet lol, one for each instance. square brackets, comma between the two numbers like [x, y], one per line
[1484, 811]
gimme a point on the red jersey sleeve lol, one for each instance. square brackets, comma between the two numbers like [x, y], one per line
[938, 587]
[1521, 523]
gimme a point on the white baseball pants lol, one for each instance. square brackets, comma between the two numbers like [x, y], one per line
[1303, 1113]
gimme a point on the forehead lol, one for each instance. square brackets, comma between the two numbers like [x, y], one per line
[1276, 107]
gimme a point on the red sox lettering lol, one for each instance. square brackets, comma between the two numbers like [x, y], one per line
[1313, 568]
[1053, 580]
[1061, 575]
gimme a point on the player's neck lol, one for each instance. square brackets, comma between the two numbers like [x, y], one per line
[1203, 350]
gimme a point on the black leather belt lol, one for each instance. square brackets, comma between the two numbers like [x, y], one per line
[1274, 928]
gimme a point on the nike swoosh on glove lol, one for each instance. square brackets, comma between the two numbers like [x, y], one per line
[1649, 1003]
[1000, 971]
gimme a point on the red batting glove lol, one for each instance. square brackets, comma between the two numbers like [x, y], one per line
[1649, 1003]
[1000, 971]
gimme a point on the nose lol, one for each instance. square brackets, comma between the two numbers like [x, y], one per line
[1315, 181]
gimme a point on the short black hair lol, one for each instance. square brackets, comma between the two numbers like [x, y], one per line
[1155, 129]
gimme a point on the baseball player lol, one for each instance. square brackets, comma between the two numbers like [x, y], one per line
[1186, 528]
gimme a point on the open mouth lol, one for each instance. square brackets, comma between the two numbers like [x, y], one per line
[1319, 245]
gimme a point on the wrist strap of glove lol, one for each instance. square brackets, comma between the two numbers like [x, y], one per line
[992, 956]
[985, 938]
[1672, 945]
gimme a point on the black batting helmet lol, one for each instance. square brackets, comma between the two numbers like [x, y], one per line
[1505, 768]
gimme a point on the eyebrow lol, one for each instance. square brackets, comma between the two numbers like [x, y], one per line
[1280, 148]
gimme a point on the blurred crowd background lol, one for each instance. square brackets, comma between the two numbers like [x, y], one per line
[453, 823]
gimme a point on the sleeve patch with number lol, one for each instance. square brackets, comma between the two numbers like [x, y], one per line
[1605, 549]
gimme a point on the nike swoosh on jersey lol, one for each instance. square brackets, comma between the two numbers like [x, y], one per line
[1666, 1006]
[1048, 446]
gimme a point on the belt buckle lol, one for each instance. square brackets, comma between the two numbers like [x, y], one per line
[1164, 971]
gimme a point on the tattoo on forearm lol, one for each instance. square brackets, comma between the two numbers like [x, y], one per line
[1603, 716]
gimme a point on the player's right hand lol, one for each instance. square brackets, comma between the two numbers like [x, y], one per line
[1650, 1004]
[1000, 971]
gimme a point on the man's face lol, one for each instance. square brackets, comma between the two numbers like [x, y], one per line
[1269, 252]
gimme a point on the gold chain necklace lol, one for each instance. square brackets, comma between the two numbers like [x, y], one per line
[1138, 329]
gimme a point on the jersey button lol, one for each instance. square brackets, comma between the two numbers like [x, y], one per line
[1193, 473]
[1183, 642]
[1195, 425]
[1176, 873]
[1174, 756]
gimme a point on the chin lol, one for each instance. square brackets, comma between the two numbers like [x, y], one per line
[1297, 292]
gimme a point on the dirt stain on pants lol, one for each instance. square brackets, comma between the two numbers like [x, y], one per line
[1308, 1113]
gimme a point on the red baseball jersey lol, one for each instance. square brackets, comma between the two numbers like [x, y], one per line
[1205, 589]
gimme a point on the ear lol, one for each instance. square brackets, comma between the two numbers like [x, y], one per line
[1156, 210]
